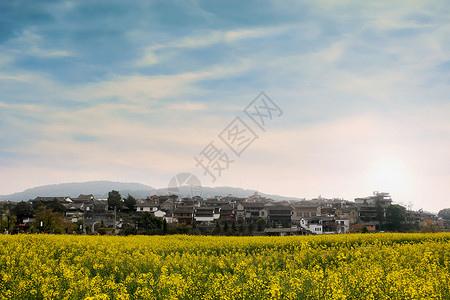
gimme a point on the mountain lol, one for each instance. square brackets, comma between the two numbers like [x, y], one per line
[100, 189]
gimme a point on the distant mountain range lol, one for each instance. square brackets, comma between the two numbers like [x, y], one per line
[100, 189]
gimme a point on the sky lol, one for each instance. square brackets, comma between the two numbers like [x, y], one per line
[355, 92]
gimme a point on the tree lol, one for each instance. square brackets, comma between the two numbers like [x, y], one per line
[164, 226]
[217, 229]
[380, 212]
[241, 228]
[233, 226]
[115, 200]
[22, 210]
[364, 229]
[394, 217]
[129, 202]
[36, 204]
[261, 223]
[444, 213]
[225, 226]
[52, 221]
[56, 206]
[251, 227]
[149, 224]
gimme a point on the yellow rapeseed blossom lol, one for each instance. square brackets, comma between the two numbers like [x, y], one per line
[371, 266]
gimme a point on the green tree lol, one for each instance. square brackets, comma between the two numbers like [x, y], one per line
[364, 229]
[380, 212]
[261, 223]
[22, 210]
[149, 224]
[52, 221]
[115, 200]
[129, 202]
[394, 217]
[56, 206]
[164, 226]
[36, 205]
[225, 226]
[251, 227]
[444, 213]
[241, 228]
[217, 229]
[233, 226]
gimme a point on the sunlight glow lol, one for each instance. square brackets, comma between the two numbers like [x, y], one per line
[389, 174]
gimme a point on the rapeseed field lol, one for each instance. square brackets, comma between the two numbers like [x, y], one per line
[360, 266]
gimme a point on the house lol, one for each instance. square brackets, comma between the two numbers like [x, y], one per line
[382, 199]
[97, 212]
[249, 211]
[38, 201]
[83, 198]
[184, 214]
[206, 215]
[75, 211]
[167, 206]
[146, 205]
[227, 212]
[347, 213]
[277, 214]
[304, 210]
[313, 226]
[343, 225]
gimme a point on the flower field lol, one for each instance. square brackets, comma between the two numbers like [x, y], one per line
[371, 266]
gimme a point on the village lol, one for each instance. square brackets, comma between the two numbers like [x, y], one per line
[228, 215]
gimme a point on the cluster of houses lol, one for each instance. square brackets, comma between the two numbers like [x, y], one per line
[315, 216]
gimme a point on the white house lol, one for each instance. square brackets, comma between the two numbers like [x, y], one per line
[146, 206]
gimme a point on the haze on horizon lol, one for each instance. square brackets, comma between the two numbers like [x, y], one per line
[133, 91]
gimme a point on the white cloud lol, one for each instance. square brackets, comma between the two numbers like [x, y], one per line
[204, 39]
[31, 43]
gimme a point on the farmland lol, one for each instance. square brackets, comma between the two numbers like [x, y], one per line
[359, 266]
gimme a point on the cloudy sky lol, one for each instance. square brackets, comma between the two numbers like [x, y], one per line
[133, 91]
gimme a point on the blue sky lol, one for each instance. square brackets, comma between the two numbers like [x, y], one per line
[132, 91]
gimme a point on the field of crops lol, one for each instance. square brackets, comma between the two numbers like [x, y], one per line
[371, 266]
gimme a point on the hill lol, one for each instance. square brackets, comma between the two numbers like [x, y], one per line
[100, 189]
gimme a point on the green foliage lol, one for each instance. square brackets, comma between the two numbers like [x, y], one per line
[53, 222]
[233, 225]
[56, 206]
[444, 213]
[22, 210]
[115, 200]
[261, 223]
[129, 202]
[217, 228]
[394, 217]
[225, 226]
[149, 224]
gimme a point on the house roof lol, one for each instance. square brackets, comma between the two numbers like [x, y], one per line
[83, 198]
[280, 230]
[146, 203]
